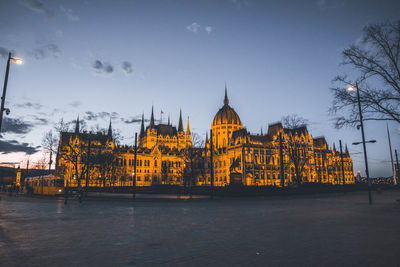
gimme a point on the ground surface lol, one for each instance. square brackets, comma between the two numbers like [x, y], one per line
[324, 230]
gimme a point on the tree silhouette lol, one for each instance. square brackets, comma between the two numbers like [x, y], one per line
[295, 144]
[376, 58]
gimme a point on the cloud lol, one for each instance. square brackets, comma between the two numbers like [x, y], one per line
[137, 119]
[50, 50]
[194, 27]
[11, 146]
[41, 120]
[59, 33]
[134, 119]
[4, 52]
[127, 67]
[327, 4]
[16, 126]
[239, 3]
[29, 105]
[75, 104]
[38, 6]
[101, 67]
[208, 29]
[68, 13]
[93, 116]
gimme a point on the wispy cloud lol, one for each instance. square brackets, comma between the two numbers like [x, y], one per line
[11, 146]
[38, 7]
[50, 50]
[208, 29]
[194, 27]
[4, 52]
[69, 14]
[16, 126]
[133, 119]
[40, 120]
[239, 4]
[102, 67]
[93, 116]
[127, 67]
[29, 105]
[75, 104]
[328, 4]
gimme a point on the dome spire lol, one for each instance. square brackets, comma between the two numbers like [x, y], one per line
[109, 133]
[188, 127]
[180, 127]
[226, 100]
[152, 118]
[77, 125]
[142, 126]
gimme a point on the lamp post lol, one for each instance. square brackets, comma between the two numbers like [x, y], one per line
[134, 170]
[3, 97]
[352, 88]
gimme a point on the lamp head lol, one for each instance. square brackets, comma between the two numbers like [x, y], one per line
[351, 88]
[18, 60]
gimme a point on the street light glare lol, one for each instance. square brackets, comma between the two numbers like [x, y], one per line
[18, 60]
[351, 88]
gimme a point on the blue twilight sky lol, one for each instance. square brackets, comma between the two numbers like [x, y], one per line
[103, 59]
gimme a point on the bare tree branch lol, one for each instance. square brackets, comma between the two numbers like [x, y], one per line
[377, 61]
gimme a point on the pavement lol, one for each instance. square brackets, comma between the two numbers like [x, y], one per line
[319, 230]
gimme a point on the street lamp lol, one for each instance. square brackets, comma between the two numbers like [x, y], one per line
[3, 97]
[355, 88]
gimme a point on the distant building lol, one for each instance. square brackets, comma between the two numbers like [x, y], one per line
[166, 155]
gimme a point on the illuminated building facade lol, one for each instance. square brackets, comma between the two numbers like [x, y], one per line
[165, 155]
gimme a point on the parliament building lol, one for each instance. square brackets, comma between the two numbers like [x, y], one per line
[165, 155]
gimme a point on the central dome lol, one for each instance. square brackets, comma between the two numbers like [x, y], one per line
[226, 115]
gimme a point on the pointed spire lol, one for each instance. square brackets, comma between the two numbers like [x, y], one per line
[152, 117]
[226, 100]
[188, 127]
[334, 148]
[346, 150]
[77, 125]
[168, 120]
[109, 134]
[180, 126]
[142, 126]
[206, 137]
[261, 131]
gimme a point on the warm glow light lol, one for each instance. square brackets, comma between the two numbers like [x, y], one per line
[18, 60]
[351, 88]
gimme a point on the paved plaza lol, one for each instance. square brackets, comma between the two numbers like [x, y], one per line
[320, 230]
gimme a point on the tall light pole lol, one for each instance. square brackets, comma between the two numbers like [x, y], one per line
[352, 88]
[134, 170]
[3, 97]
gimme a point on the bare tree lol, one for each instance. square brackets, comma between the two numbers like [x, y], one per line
[193, 161]
[49, 144]
[295, 145]
[74, 151]
[41, 163]
[197, 141]
[376, 58]
[61, 126]
[293, 121]
[106, 161]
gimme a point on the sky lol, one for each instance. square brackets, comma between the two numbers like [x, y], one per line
[106, 60]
